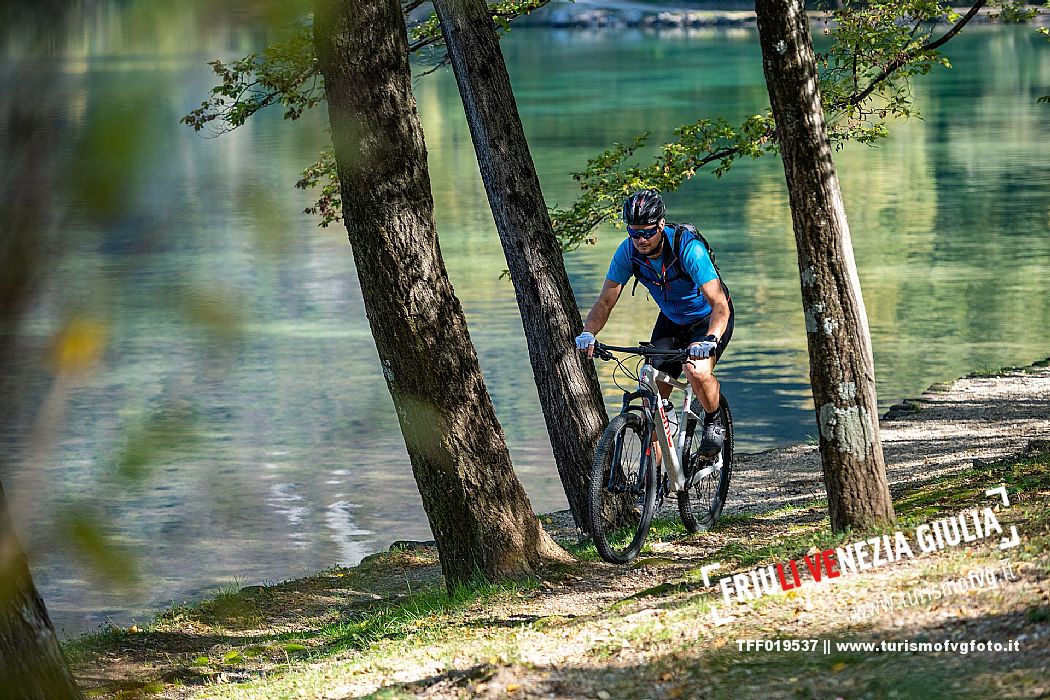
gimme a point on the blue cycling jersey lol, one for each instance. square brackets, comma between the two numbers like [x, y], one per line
[678, 295]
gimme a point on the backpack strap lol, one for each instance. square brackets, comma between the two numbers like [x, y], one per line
[684, 234]
[636, 268]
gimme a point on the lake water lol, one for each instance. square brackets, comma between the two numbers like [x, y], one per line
[295, 461]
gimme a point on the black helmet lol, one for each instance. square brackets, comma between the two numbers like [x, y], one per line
[643, 208]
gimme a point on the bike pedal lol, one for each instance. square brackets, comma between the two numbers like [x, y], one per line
[710, 468]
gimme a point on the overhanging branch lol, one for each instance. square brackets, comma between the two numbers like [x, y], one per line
[903, 59]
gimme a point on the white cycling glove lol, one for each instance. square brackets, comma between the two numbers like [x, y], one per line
[584, 340]
[703, 349]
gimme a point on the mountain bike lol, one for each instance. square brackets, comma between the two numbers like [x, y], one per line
[628, 484]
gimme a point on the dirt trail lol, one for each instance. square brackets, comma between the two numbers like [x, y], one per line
[950, 428]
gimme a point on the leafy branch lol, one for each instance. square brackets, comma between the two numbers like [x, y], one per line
[611, 176]
[878, 46]
[287, 73]
[895, 52]
[323, 175]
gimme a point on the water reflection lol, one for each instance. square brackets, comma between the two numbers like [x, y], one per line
[297, 463]
[350, 538]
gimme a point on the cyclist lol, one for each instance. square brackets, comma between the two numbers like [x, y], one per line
[695, 309]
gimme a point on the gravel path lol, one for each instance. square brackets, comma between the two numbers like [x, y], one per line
[948, 428]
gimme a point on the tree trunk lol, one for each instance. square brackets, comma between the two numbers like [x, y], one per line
[31, 663]
[568, 386]
[842, 372]
[478, 511]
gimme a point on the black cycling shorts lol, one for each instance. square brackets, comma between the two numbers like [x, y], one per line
[670, 335]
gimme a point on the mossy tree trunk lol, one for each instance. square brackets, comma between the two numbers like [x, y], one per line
[570, 395]
[842, 371]
[478, 511]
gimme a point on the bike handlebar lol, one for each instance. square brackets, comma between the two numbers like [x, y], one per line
[602, 351]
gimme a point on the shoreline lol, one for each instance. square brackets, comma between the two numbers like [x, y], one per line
[787, 476]
[560, 525]
[614, 15]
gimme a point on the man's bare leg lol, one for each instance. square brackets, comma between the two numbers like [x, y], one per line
[702, 379]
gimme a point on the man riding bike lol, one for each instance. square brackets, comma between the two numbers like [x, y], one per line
[673, 263]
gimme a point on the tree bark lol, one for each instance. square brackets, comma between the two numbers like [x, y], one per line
[569, 393]
[477, 508]
[32, 666]
[842, 371]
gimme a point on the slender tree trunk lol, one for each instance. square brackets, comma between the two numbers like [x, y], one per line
[568, 386]
[842, 372]
[478, 511]
[32, 666]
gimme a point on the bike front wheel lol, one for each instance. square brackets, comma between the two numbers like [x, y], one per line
[701, 505]
[622, 489]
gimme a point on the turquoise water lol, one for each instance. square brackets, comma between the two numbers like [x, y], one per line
[296, 462]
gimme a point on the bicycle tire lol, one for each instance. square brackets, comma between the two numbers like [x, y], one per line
[709, 495]
[608, 507]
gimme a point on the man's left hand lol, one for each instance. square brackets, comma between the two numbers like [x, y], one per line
[703, 348]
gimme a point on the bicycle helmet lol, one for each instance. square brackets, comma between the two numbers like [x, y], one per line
[643, 208]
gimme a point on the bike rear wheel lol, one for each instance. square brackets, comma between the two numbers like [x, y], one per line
[701, 505]
[622, 490]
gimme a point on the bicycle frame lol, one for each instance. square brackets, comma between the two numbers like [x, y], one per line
[648, 390]
[648, 379]
[679, 469]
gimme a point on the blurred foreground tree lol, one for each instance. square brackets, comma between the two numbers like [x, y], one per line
[32, 666]
[477, 508]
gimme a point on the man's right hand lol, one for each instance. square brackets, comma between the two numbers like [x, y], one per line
[585, 343]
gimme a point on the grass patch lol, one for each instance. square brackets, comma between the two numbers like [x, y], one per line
[230, 608]
[664, 528]
[991, 372]
[201, 643]
[421, 613]
[87, 646]
[1024, 478]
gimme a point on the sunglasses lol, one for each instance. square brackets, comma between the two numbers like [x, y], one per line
[645, 233]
